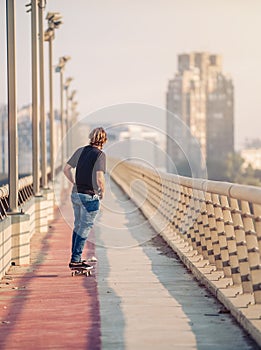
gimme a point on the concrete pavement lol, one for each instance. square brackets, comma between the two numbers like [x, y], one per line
[148, 299]
[141, 296]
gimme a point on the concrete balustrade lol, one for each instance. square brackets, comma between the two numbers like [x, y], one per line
[215, 228]
[17, 229]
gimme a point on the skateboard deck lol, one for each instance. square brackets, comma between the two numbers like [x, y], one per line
[77, 271]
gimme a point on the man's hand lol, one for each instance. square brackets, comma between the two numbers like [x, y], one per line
[101, 183]
[67, 170]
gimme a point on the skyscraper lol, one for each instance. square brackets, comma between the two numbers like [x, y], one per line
[201, 97]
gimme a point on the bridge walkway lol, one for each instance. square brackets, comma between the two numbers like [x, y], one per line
[140, 297]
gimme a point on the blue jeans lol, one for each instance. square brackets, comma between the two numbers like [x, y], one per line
[85, 209]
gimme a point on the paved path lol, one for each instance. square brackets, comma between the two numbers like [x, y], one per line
[141, 296]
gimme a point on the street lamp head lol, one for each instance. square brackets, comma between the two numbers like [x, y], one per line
[53, 16]
[54, 19]
[67, 82]
[64, 59]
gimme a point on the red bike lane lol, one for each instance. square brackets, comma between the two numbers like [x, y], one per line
[42, 306]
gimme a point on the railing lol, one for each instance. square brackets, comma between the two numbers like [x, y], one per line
[25, 189]
[25, 192]
[220, 223]
[4, 193]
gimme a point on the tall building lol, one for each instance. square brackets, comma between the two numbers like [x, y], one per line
[200, 111]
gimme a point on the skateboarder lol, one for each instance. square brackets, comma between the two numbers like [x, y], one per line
[88, 189]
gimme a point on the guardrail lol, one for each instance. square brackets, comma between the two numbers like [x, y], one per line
[25, 192]
[35, 212]
[213, 225]
[4, 193]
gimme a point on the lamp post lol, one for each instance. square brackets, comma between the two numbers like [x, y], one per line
[35, 114]
[54, 21]
[12, 108]
[66, 88]
[71, 120]
[74, 115]
[60, 69]
[74, 104]
[41, 6]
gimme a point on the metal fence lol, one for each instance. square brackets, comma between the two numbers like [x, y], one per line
[25, 192]
[220, 222]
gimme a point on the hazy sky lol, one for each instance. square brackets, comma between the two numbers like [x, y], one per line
[126, 51]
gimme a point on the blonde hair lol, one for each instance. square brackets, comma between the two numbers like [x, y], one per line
[98, 137]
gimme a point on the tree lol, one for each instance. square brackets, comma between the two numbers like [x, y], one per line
[249, 177]
[234, 170]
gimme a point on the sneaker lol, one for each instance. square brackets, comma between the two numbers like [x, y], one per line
[75, 264]
[85, 265]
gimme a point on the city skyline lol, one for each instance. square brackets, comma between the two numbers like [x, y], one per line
[125, 52]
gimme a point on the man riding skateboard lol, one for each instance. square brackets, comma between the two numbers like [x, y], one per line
[88, 189]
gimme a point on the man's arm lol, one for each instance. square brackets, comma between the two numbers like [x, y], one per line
[101, 182]
[67, 170]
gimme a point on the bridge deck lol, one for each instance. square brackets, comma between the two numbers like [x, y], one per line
[141, 296]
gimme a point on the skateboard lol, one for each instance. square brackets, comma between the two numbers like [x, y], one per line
[77, 271]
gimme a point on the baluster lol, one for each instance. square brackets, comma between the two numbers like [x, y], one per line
[183, 211]
[203, 225]
[195, 229]
[231, 240]
[186, 210]
[179, 210]
[153, 199]
[241, 247]
[160, 195]
[167, 208]
[222, 237]
[175, 198]
[169, 202]
[163, 203]
[215, 232]
[252, 247]
[209, 228]
[257, 214]
[191, 215]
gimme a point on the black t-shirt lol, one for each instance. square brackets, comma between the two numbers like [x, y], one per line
[87, 160]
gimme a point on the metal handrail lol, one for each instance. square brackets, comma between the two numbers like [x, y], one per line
[25, 192]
